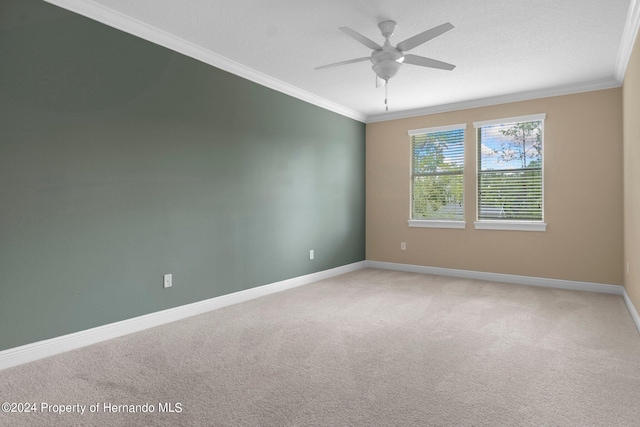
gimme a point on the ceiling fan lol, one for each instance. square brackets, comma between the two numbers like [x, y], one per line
[387, 59]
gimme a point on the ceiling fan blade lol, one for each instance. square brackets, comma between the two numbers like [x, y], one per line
[427, 62]
[424, 37]
[350, 61]
[362, 39]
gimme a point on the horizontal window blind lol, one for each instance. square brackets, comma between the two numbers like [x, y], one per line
[437, 173]
[510, 170]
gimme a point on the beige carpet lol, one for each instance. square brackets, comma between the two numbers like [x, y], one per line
[369, 348]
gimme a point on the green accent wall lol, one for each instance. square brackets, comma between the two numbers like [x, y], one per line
[121, 160]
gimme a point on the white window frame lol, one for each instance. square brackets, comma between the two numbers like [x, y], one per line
[437, 223]
[513, 225]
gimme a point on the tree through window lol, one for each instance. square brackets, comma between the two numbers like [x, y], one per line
[510, 169]
[437, 173]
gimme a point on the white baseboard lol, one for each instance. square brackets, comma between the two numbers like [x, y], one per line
[632, 310]
[38, 350]
[518, 280]
[503, 278]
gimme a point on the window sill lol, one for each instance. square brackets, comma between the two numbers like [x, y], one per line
[510, 225]
[431, 223]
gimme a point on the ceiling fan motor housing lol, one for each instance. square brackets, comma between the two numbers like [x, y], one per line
[386, 62]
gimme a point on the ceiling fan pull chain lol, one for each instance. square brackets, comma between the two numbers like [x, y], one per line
[386, 94]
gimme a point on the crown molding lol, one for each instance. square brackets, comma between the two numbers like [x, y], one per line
[628, 39]
[155, 35]
[496, 100]
[130, 25]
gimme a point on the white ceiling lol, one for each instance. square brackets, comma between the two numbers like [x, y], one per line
[504, 50]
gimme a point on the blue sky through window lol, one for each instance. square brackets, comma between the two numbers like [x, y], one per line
[500, 151]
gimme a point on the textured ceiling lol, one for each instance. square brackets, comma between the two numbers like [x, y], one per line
[503, 49]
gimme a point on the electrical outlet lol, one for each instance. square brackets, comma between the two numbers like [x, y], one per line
[167, 280]
[403, 246]
[311, 255]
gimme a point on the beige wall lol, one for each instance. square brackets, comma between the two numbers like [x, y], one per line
[631, 105]
[583, 195]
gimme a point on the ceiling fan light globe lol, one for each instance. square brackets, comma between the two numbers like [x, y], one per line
[386, 68]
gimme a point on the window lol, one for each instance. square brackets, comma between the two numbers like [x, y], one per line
[510, 173]
[437, 177]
